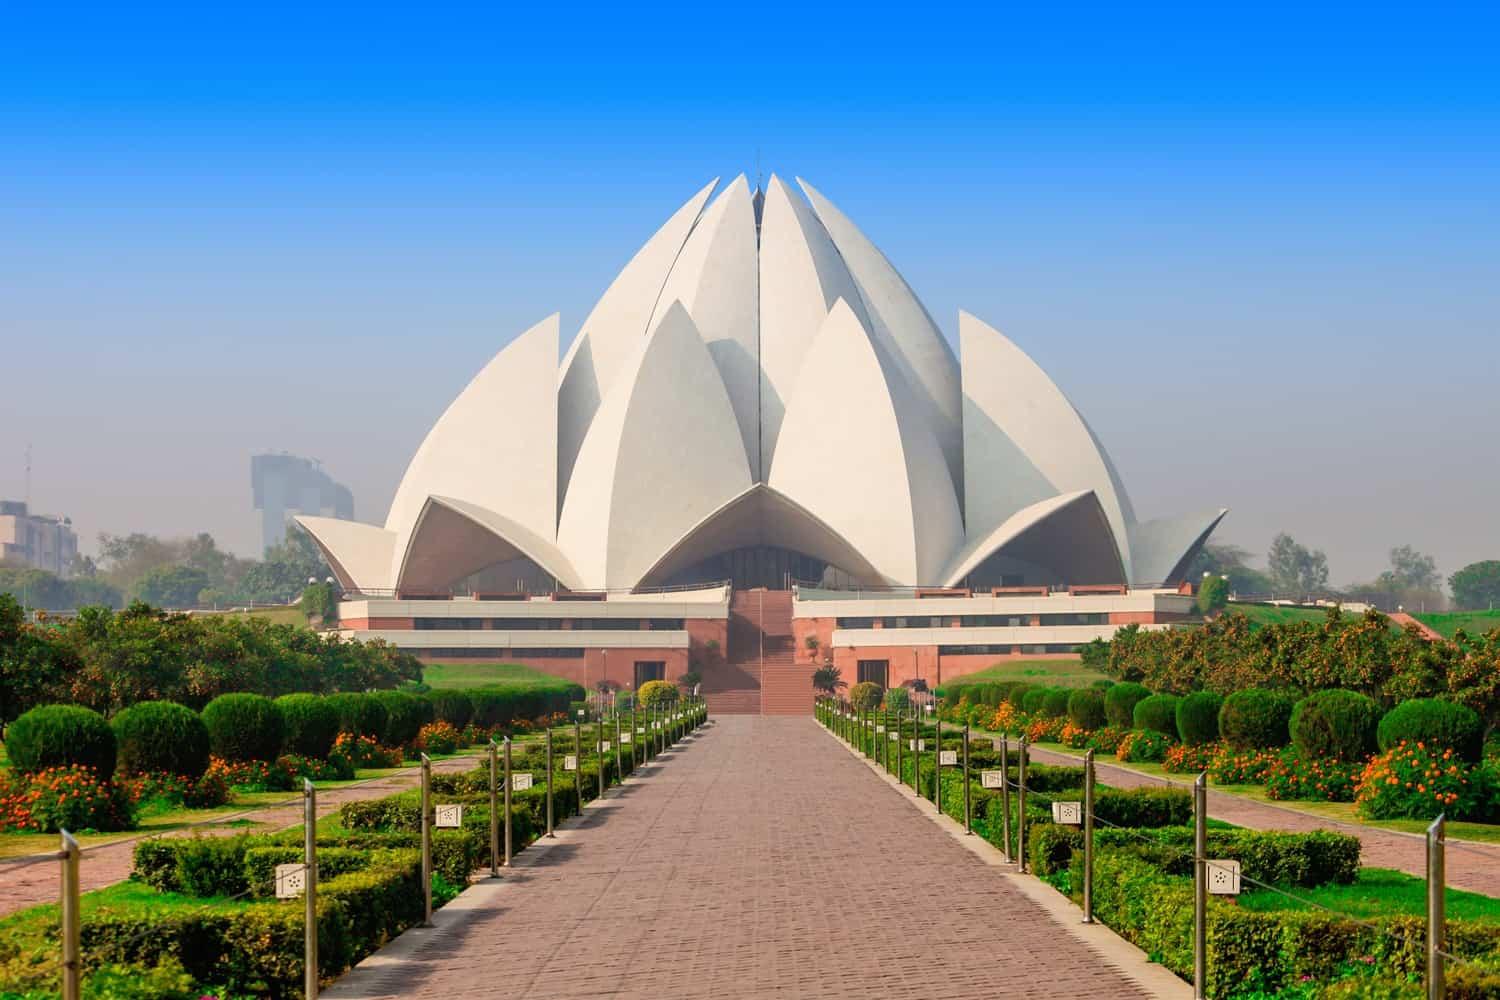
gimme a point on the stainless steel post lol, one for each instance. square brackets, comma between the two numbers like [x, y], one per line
[310, 894]
[426, 841]
[1437, 877]
[494, 750]
[968, 795]
[1005, 795]
[1200, 886]
[578, 757]
[1021, 809]
[937, 763]
[619, 766]
[72, 924]
[549, 781]
[599, 753]
[900, 745]
[1088, 837]
[508, 840]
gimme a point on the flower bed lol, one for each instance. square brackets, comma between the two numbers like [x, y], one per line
[1415, 781]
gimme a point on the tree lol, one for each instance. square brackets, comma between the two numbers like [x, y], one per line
[1213, 594]
[1411, 570]
[1477, 585]
[1296, 568]
[171, 586]
[828, 680]
[1231, 561]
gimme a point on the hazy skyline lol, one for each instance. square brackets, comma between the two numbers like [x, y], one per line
[1263, 259]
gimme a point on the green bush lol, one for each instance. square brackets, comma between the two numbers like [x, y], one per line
[160, 736]
[897, 699]
[60, 735]
[1086, 708]
[1198, 718]
[1255, 719]
[360, 714]
[1120, 702]
[1035, 701]
[452, 707]
[864, 696]
[243, 727]
[657, 694]
[1016, 696]
[1158, 712]
[1144, 807]
[404, 716]
[311, 725]
[1056, 702]
[1142, 746]
[1335, 725]
[1433, 722]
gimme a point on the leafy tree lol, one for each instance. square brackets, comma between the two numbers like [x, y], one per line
[1231, 561]
[38, 588]
[1294, 567]
[1412, 570]
[1213, 594]
[1477, 585]
[170, 586]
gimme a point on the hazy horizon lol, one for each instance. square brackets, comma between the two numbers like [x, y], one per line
[1263, 259]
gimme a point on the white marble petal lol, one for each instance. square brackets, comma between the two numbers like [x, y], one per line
[1081, 539]
[359, 554]
[1163, 548]
[453, 539]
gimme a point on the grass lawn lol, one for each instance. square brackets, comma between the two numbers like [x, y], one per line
[469, 675]
[1056, 673]
[1378, 892]
[1472, 622]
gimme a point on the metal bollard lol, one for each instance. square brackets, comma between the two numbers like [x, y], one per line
[619, 767]
[72, 924]
[578, 756]
[1200, 886]
[900, 745]
[1021, 810]
[426, 841]
[310, 894]
[549, 781]
[494, 750]
[634, 738]
[508, 840]
[1088, 837]
[968, 793]
[1437, 877]
[599, 753]
[937, 765]
[1005, 795]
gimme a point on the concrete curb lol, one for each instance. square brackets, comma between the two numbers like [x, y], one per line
[1114, 950]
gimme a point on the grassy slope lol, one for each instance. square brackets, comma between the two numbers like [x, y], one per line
[1472, 622]
[469, 675]
[1263, 614]
[1057, 673]
[1378, 892]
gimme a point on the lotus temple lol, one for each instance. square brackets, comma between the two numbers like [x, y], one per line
[759, 456]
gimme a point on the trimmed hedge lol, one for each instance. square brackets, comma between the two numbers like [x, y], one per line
[243, 727]
[311, 724]
[1432, 721]
[1198, 718]
[360, 714]
[1035, 701]
[161, 736]
[1016, 696]
[60, 735]
[1256, 719]
[1056, 702]
[452, 707]
[1144, 807]
[1086, 708]
[1120, 701]
[1335, 725]
[1157, 712]
[405, 714]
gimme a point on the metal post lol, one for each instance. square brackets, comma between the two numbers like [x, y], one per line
[900, 740]
[1005, 794]
[1200, 886]
[1437, 877]
[599, 752]
[1088, 837]
[885, 739]
[549, 781]
[426, 841]
[508, 840]
[72, 926]
[310, 894]
[937, 764]
[968, 793]
[495, 806]
[634, 737]
[619, 767]
[578, 756]
[1021, 810]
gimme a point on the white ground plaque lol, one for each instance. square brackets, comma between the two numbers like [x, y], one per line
[1067, 813]
[991, 779]
[520, 782]
[448, 817]
[947, 758]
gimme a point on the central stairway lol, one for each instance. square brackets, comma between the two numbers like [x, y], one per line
[759, 674]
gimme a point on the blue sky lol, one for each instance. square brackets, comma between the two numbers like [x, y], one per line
[1257, 247]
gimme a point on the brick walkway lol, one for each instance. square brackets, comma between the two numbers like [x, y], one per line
[759, 860]
[1470, 865]
[29, 884]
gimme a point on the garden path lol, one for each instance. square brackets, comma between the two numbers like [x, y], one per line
[26, 884]
[1470, 865]
[758, 859]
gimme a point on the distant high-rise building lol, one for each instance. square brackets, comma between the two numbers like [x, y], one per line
[285, 485]
[42, 540]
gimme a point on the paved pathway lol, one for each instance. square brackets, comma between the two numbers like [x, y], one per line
[760, 859]
[1470, 865]
[24, 884]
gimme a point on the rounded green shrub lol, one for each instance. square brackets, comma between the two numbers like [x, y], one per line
[866, 696]
[311, 725]
[1198, 718]
[1016, 696]
[1158, 713]
[654, 694]
[360, 714]
[1035, 701]
[1055, 706]
[405, 714]
[60, 735]
[160, 736]
[1256, 719]
[455, 708]
[243, 727]
[897, 699]
[1086, 708]
[1335, 725]
[1432, 722]
[1103, 684]
[1120, 701]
